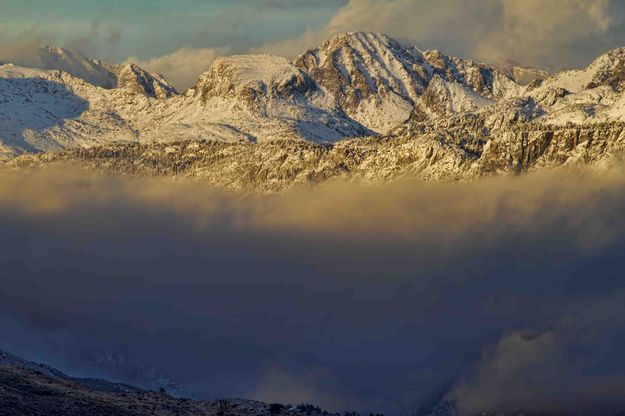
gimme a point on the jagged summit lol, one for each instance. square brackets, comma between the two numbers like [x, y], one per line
[265, 97]
[90, 70]
[371, 77]
[357, 40]
[140, 81]
[252, 78]
[609, 69]
[379, 82]
[101, 74]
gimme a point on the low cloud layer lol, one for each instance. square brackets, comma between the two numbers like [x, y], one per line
[498, 294]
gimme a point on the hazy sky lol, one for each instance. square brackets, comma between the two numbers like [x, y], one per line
[181, 38]
[149, 28]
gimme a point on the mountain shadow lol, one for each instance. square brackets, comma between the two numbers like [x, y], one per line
[30, 108]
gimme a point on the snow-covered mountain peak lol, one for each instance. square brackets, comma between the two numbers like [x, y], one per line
[610, 59]
[253, 78]
[355, 53]
[374, 41]
[242, 69]
[371, 77]
[608, 70]
[101, 74]
[16, 71]
[378, 81]
[138, 80]
[92, 71]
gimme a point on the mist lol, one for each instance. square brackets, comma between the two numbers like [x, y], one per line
[497, 294]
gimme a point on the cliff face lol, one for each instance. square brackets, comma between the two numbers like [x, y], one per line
[428, 156]
[253, 81]
[378, 82]
[525, 149]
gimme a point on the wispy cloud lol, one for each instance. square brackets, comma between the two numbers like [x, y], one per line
[183, 66]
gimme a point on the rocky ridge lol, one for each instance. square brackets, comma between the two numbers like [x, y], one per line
[33, 389]
[279, 165]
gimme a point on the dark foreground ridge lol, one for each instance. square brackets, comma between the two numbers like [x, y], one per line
[33, 389]
[30, 392]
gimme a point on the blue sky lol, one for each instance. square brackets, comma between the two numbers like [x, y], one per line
[148, 28]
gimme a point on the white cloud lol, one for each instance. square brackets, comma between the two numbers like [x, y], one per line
[183, 66]
[556, 33]
[555, 369]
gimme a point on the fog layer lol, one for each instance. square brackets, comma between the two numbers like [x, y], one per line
[498, 294]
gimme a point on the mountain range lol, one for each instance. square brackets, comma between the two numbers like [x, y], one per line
[360, 105]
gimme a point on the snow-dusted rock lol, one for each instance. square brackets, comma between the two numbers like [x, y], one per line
[377, 81]
[378, 109]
